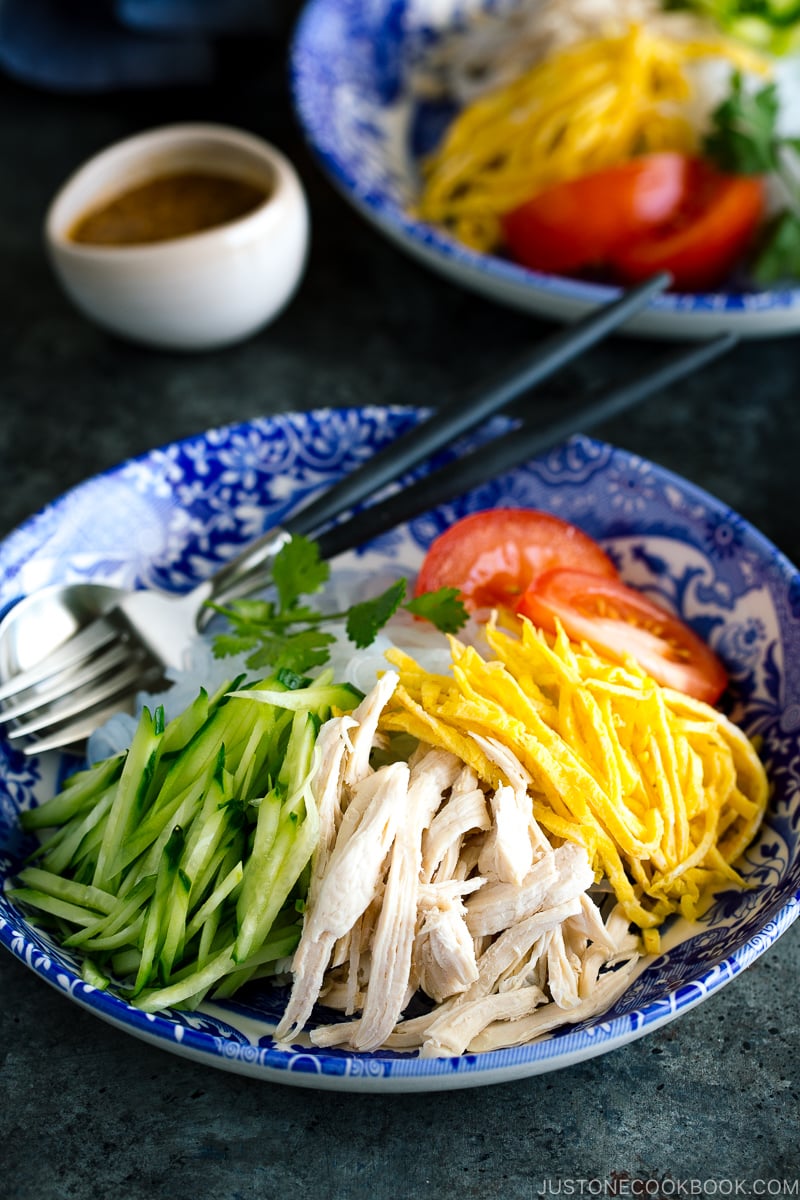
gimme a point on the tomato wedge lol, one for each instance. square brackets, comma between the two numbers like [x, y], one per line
[701, 244]
[617, 620]
[492, 556]
[578, 224]
[659, 212]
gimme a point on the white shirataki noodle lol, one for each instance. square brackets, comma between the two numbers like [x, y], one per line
[201, 669]
[424, 882]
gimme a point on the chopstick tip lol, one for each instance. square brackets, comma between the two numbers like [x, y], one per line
[660, 282]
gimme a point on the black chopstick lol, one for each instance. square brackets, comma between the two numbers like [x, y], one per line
[511, 449]
[467, 411]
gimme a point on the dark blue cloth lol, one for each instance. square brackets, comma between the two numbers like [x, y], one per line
[93, 45]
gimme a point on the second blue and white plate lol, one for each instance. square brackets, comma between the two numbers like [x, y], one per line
[352, 67]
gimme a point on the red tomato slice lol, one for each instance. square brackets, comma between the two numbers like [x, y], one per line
[617, 620]
[492, 556]
[579, 223]
[701, 244]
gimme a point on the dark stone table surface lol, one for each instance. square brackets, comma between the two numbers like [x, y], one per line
[86, 1111]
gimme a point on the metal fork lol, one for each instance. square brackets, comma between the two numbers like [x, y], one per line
[61, 699]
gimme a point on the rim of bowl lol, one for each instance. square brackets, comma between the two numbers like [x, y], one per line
[285, 187]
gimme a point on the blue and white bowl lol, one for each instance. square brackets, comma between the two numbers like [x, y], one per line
[352, 66]
[175, 514]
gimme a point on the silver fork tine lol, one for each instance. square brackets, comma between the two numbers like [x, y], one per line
[70, 680]
[121, 681]
[71, 733]
[80, 647]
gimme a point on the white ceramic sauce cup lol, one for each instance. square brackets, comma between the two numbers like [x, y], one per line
[201, 291]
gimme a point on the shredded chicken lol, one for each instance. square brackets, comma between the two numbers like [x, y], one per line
[548, 1017]
[499, 905]
[520, 781]
[464, 813]
[444, 948]
[426, 882]
[507, 854]
[365, 720]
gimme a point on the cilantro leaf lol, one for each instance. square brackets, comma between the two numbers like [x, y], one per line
[298, 614]
[285, 634]
[296, 652]
[743, 139]
[298, 570]
[247, 613]
[225, 644]
[778, 259]
[444, 608]
[365, 620]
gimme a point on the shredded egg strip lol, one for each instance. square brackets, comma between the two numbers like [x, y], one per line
[590, 106]
[663, 791]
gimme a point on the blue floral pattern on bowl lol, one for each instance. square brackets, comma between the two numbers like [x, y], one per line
[352, 70]
[172, 516]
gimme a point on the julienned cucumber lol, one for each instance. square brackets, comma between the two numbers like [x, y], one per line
[178, 869]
